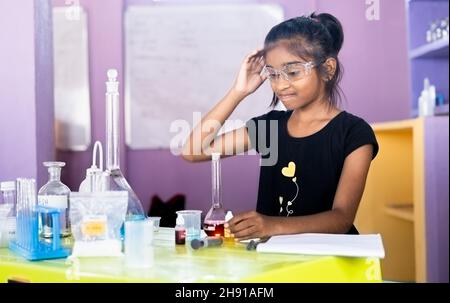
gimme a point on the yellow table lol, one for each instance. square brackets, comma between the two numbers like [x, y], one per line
[229, 263]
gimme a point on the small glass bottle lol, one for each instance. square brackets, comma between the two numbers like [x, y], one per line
[180, 231]
[54, 194]
[227, 233]
[215, 218]
[433, 27]
[8, 212]
[444, 27]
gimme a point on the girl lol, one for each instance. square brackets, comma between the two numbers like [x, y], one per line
[323, 153]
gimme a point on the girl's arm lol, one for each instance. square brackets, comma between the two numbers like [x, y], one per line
[203, 140]
[337, 220]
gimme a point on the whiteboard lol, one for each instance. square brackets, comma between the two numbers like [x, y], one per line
[183, 59]
[71, 79]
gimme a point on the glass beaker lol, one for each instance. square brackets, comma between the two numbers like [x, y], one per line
[54, 194]
[138, 243]
[215, 218]
[192, 223]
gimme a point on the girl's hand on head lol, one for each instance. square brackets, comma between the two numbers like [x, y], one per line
[249, 78]
[250, 225]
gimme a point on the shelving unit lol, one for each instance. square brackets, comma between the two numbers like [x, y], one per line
[406, 199]
[437, 49]
[390, 179]
[407, 193]
[427, 59]
[401, 211]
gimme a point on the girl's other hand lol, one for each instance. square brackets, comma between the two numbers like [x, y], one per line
[250, 77]
[250, 225]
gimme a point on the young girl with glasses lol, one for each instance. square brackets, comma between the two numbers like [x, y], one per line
[323, 153]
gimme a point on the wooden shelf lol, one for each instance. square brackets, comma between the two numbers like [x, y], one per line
[437, 49]
[439, 110]
[407, 125]
[401, 211]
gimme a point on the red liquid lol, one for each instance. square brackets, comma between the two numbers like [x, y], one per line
[214, 230]
[180, 236]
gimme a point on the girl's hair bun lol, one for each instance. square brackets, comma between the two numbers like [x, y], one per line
[334, 27]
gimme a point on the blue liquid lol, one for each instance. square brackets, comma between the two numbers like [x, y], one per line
[129, 218]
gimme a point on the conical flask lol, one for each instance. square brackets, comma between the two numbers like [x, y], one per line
[215, 218]
[115, 181]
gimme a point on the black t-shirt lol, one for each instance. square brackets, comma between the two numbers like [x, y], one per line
[299, 176]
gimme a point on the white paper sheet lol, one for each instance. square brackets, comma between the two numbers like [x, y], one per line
[325, 244]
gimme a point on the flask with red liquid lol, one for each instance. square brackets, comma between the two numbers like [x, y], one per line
[215, 218]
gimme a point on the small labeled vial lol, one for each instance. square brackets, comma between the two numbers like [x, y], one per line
[180, 231]
[227, 233]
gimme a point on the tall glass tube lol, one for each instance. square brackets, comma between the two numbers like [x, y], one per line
[216, 182]
[112, 120]
[116, 180]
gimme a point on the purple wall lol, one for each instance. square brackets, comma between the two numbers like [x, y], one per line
[436, 195]
[26, 94]
[371, 49]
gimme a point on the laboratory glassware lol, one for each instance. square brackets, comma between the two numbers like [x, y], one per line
[115, 179]
[54, 194]
[213, 224]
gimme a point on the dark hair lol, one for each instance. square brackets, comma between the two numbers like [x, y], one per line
[315, 37]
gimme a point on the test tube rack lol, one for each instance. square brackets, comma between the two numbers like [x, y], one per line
[28, 243]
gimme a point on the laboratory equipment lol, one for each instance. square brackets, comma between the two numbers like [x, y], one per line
[206, 242]
[180, 231]
[227, 232]
[215, 218]
[192, 223]
[94, 174]
[438, 29]
[427, 99]
[115, 179]
[7, 212]
[156, 221]
[138, 243]
[27, 242]
[253, 243]
[8, 190]
[97, 219]
[54, 194]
